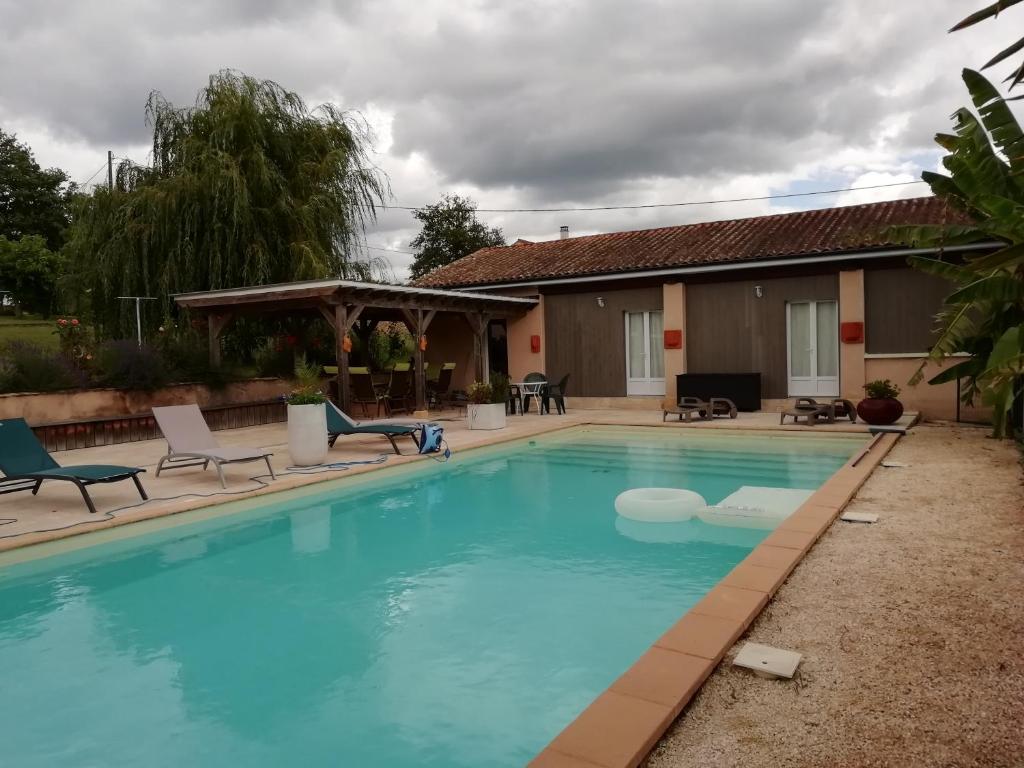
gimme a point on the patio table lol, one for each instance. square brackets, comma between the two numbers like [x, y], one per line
[532, 388]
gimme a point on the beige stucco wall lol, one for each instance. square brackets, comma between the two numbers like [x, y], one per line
[75, 405]
[674, 308]
[450, 340]
[851, 356]
[521, 360]
[932, 401]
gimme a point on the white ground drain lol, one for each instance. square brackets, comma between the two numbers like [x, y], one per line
[767, 661]
[859, 517]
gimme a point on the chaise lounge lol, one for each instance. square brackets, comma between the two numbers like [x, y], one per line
[26, 463]
[191, 443]
[340, 423]
[810, 410]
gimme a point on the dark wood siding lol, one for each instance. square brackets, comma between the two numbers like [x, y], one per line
[899, 309]
[589, 342]
[730, 330]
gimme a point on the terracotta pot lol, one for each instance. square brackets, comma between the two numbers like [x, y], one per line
[880, 410]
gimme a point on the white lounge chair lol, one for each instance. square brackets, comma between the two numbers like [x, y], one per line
[191, 443]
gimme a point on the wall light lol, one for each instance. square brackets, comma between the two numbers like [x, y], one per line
[600, 301]
[759, 291]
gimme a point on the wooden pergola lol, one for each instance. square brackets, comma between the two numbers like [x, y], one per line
[350, 306]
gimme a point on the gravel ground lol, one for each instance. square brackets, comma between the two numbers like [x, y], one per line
[912, 629]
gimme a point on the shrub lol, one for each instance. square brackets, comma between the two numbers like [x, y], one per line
[499, 387]
[389, 344]
[881, 389]
[307, 385]
[126, 365]
[273, 358]
[28, 367]
[479, 393]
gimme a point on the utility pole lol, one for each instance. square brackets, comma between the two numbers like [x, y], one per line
[138, 312]
[110, 169]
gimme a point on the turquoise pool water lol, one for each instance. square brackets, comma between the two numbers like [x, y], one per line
[445, 615]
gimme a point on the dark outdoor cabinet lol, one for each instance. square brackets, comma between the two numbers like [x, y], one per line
[744, 389]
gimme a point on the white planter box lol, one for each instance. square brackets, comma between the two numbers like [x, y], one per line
[486, 415]
[307, 434]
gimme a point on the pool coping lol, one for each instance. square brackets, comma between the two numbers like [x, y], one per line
[624, 723]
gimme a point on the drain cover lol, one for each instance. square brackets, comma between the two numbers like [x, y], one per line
[859, 517]
[767, 661]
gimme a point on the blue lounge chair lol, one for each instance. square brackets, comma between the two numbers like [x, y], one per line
[26, 463]
[339, 423]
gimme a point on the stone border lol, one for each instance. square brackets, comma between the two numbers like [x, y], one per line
[622, 725]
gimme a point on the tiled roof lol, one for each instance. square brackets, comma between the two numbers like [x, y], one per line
[787, 235]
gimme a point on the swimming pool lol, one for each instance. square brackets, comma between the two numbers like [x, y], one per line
[455, 615]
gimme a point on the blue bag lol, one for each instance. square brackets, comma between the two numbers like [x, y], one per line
[432, 440]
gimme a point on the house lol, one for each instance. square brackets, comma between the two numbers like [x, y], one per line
[817, 302]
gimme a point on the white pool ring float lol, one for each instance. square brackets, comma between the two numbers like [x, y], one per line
[659, 505]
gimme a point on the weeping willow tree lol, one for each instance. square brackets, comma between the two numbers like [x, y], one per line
[247, 187]
[984, 317]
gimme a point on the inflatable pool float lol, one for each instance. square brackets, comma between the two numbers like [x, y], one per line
[659, 505]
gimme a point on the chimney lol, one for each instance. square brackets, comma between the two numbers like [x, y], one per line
[563, 232]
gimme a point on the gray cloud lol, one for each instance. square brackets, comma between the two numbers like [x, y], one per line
[525, 104]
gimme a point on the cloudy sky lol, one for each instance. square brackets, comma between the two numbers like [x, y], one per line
[550, 103]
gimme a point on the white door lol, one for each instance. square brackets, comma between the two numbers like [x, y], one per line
[812, 328]
[645, 353]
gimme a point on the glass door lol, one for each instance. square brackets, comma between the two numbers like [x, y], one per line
[812, 328]
[645, 354]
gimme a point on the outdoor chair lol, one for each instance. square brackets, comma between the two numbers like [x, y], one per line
[399, 396]
[844, 408]
[555, 392]
[365, 393]
[533, 378]
[684, 412]
[26, 463]
[438, 390]
[810, 410]
[515, 400]
[190, 443]
[340, 423]
[694, 406]
[710, 408]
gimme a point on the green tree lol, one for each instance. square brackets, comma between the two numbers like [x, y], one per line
[33, 200]
[450, 231]
[247, 187]
[29, 271]
[984, 317]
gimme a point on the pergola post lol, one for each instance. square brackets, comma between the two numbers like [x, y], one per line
[418, 324]
[478, 324]
[215, 325]
[341, 319]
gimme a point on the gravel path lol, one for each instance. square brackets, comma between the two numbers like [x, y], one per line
[912, 629]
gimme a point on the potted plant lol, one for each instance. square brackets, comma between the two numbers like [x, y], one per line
[486, 409]
[880, 406]
[307, 417]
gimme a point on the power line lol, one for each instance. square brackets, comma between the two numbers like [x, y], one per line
[389, 250]
[671, 205]
[98, 171]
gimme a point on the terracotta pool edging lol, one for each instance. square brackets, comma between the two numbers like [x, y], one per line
[622, 725]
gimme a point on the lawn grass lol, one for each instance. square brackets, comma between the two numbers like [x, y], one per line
[29, 329]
